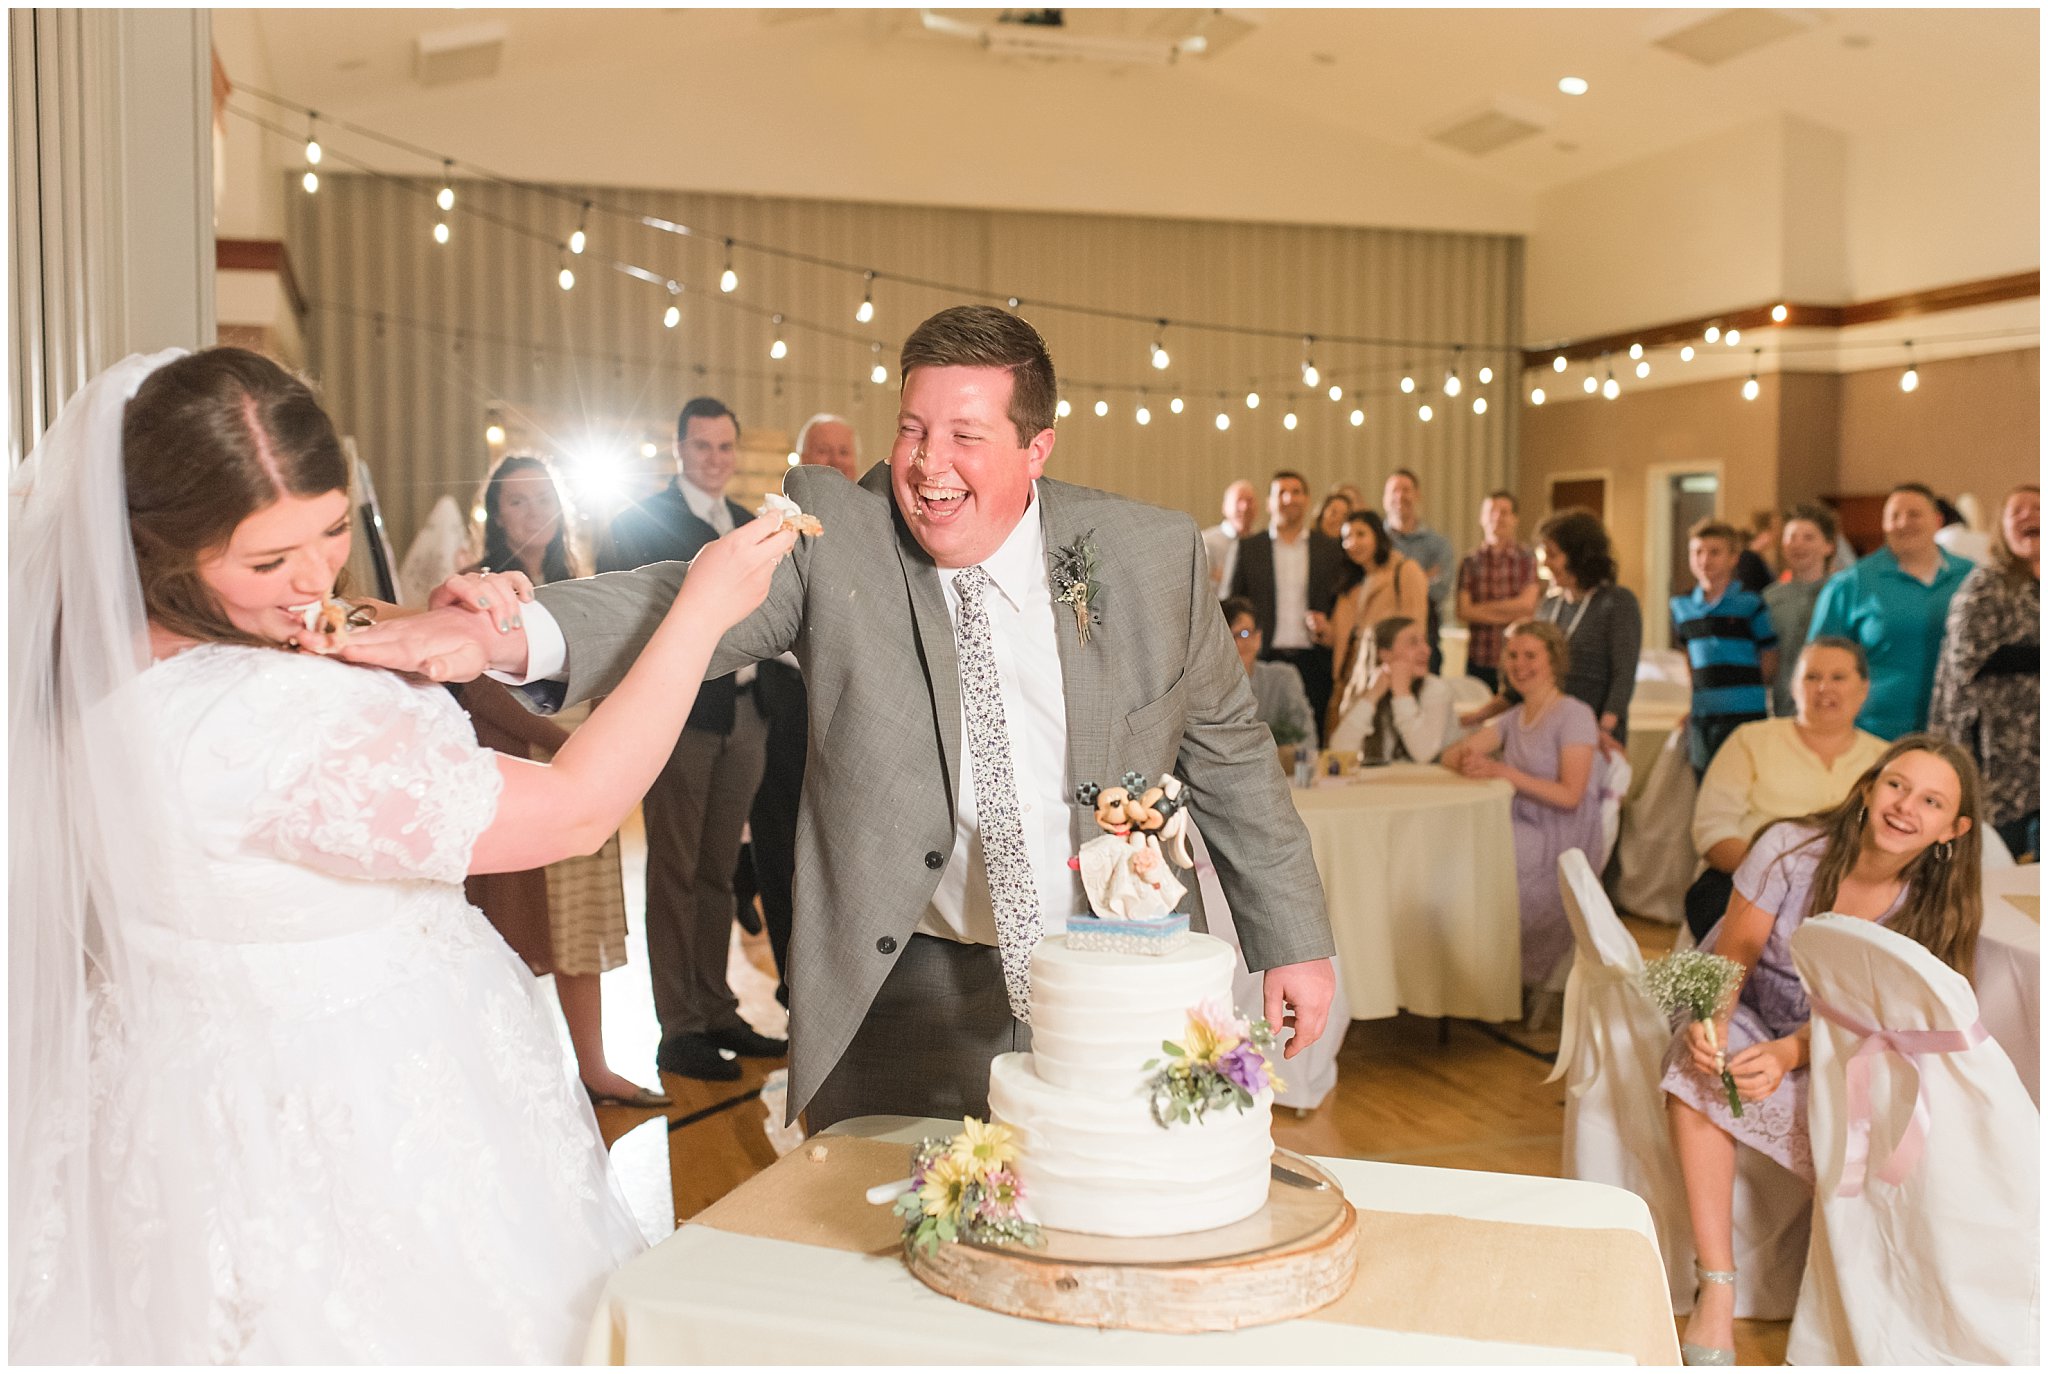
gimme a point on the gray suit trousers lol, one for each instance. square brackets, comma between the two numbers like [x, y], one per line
[924, 1048]
[695, 812]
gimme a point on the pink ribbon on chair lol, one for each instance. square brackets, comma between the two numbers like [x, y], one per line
[1909, 1045]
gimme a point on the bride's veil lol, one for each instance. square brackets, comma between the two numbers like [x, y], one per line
[85, 808]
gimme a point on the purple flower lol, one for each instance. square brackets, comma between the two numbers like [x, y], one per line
[1246, 1067]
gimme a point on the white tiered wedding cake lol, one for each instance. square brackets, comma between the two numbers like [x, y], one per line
[1091, 1154]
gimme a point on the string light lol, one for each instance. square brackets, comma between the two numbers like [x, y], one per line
[1062, 410]
[648, 450]
[1643, 369]
[1175, 405]
[1160, 360]
[1610, 388]
[1592, 384]
[1713, 334]
[1222, 420]
[1485, 375]
[728, 280]
[1557, 364]
[1357, 418]
[1536, 397]
[672, 316]
[446, 198]
[1732, 337]
[1685, 354]
[1750, 387]
[1635, 350]
[311, 181]
[1452, 386]
[1144, 415]
[866, 313]
[1251, 400]
[1309, 375]
[312, 140]
[1101, 409]
[1425, 414]
[1478, 405]
[440, 231]
[494, 434]
[879, 374]
[778, 350]
[1289, 421]
[1909, 380]
[1779, 314]
[565, 277]
[578, 239]
[1407, 380]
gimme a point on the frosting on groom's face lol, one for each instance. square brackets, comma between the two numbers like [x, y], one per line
[958, 473]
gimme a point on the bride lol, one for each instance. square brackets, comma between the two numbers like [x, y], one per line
[277, 1093]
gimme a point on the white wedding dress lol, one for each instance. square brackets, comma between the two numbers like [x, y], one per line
[335, 1123]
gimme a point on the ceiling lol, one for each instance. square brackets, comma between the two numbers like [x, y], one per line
[1293, 115]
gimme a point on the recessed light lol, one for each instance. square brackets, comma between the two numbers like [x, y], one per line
[1572, 85]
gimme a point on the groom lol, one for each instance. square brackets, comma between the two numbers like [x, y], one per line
[955, 703]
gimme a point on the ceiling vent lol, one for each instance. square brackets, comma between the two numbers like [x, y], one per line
[1487, 129]
[1727, 34]
[463, 54]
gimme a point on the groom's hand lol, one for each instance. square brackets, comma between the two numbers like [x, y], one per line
[1299, 995]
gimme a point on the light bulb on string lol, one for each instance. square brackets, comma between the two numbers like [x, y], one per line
[494, 434]
[1635, 350]
[1750, 388]
[312, 140]
[1558, 363]
[311, 181]
[1060, 411]
[1407, 380]
[1713, 334]
[1909, 380]
[1357, 418]
[1485, 376]
[1685, 354]
[440, 231]
[866, 313]
[1144, 412]
[1643, 369]
[1309, 375]
[1592, 384]
[1478, 405]
[1536, 397]
[1732, 337]
[728, 280]
[1101, 409]
[1160, 359]
[1425, 414]
[565, 278]
[1610, 388]
[579, 239]
[1452, 386]
[879, 375]
[779, 349]
[1176, 405]
[446, 197]
[1251, 400]
[673, 316]
[1289, 421]
[1336, 392]
[1222, 420]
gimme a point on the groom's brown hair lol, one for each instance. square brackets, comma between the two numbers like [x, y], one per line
[984, 336]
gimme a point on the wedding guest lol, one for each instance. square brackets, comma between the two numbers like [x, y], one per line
[1219, 541]
[1753, 565]
[1601, 622]
[1378, 581]
[828, 441]
[1728, 642]
[1987, 689]
[1331, 515]
[1350, 492]
[1895, 604]
[1808, 547]
[279, 1094]
[698, 807]
[1276, 687]
[1548, 748]
[1497, 585]
[1402, 496]
[1291, 577]
[1785, 766]
[569, 918]
[1901, 849]
[1402, 713]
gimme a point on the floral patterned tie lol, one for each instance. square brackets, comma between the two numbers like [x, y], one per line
[1012, 889]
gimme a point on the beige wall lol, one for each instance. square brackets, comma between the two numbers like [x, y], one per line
[416, 399]
[1973, 425]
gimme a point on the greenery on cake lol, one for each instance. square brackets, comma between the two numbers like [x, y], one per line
[1224, 1060]
[965, 1188]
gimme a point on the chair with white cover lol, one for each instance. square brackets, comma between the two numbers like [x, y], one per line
[1926, 1236]
[1656, 838]
[1611, 1058]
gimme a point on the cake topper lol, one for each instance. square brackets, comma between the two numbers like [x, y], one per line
[1127, 870]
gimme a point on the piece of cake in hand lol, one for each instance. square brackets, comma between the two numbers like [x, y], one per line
[793, 517]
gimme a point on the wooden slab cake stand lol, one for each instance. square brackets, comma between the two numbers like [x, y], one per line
[1294, 1255]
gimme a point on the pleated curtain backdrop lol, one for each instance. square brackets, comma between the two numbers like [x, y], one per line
[413, 341]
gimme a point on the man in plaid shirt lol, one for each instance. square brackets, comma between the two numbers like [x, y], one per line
[1496, 586]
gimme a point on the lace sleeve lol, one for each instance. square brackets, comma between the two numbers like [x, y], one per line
[351, 771]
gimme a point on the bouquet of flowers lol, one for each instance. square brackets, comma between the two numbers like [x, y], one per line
[1225, 1061]
[1699, 985]
[965, 1189]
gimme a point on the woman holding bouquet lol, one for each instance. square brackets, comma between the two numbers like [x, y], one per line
[277, 1093]
[1901, 849]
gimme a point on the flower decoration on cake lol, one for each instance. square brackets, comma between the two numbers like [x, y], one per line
[966, 1188]
[1223, 1060]
[1127, 871]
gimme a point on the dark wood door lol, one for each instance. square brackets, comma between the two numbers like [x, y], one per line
[1584, 493]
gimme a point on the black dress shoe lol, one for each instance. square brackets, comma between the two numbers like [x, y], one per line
[750, 1043]
[695, 1056]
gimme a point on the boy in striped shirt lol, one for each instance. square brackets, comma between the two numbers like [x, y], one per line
[1726, 631]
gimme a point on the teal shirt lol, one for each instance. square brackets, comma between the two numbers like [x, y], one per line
[1898, 619]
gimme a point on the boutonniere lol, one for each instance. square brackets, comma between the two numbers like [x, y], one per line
[1074, 575]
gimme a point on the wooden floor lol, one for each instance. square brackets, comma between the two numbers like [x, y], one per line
[1477, 1100]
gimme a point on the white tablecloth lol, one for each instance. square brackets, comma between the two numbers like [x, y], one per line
[706, 1296]
[2009, 969]
[1418, 865]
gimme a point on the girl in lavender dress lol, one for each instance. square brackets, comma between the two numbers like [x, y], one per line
[1901, 849]
[1549, 751]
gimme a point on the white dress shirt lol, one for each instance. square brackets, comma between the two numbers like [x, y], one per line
[1219, 541]
[1290, 592]
[1024, 635]
[710, 507]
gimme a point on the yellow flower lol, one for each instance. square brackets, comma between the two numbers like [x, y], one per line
[945, 1185]
[983, 1146]
[1209, 1037]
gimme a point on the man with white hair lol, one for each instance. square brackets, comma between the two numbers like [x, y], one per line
[1219, 541]
[828, 441]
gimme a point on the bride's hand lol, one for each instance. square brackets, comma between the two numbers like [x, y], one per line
[500, 593]
[730, 576]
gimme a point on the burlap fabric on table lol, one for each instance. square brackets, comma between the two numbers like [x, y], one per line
[1571, 1288]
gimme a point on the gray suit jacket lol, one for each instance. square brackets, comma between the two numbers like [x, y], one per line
[1157, 688]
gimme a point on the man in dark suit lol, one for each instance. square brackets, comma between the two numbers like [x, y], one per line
[1289, 574]
[697, 808]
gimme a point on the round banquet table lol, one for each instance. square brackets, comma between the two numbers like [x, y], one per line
[1418, 865]
[2009, 968]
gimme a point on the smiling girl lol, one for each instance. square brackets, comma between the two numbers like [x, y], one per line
[1901, 849]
